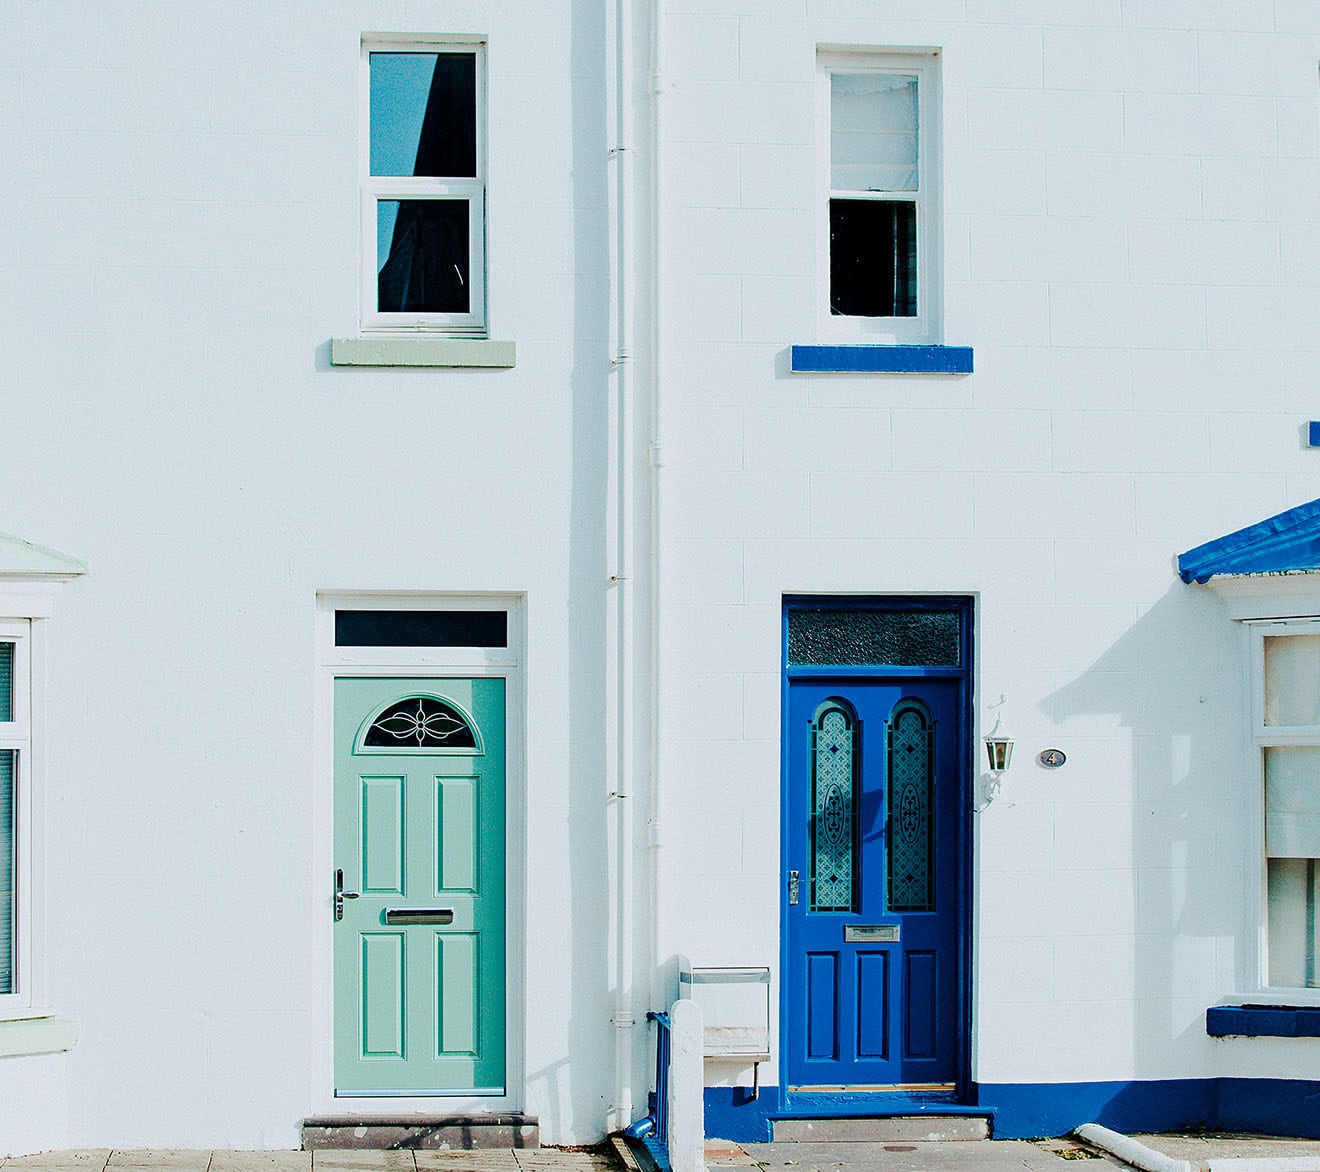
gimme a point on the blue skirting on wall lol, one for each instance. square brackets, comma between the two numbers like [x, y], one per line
[1026, 1110]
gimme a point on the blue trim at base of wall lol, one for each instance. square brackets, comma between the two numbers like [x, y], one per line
[1271, 1106]
[876, 359]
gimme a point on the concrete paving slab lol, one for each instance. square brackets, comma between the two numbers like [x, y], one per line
[362, 1160]
[234, 1161]
[967, 1156]
[558, 1160]
[1224, 1145]
[84, 1159]
[179, 1159]
[477, 1160]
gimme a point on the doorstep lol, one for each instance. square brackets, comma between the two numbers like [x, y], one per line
[504, 1129]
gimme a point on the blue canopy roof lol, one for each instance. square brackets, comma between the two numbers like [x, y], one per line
[1288, 541]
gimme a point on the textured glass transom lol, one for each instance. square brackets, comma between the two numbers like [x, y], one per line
[902, 638]
[420, 722]
[910, 832]
[834, 755]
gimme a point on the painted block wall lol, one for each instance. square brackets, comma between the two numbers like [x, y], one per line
[178, 243]
[1129, 194]
[1129, 236]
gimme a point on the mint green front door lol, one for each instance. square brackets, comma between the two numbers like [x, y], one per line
[419, 907]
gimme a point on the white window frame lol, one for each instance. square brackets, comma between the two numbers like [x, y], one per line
[1265, 736]
[379, 187]
[16, 734]
[926, 327]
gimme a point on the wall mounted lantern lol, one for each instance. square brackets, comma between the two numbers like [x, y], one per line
[998, 748]
[999, 754]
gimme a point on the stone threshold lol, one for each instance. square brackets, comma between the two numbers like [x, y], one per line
[504, 1129]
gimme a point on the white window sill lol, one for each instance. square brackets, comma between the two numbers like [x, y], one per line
[448, 352]
[36, 1035]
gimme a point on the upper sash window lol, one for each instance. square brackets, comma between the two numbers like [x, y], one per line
[424, 189]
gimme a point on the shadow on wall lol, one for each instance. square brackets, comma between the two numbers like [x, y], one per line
[1150, 826]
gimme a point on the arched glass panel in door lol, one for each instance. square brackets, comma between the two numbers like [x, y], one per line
[910, 828]
[420, 722]
[835, 742]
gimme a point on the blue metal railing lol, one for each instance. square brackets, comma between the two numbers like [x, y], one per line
[652, 1131]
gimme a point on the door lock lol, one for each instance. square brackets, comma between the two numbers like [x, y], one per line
[341, 894]
[792, 887]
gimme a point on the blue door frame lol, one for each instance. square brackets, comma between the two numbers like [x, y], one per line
[866, 1052]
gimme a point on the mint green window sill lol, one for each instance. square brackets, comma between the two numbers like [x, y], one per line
[36, 1035]
[481, 353]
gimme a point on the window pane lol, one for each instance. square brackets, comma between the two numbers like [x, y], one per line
[1292, 922]
[823, 638]
[1292, 801]
[423, 254]
[1292, 679]
[421, 628]
[8, 762]
[6, 682]
[873, 258]
[873, 132]
[424, 114]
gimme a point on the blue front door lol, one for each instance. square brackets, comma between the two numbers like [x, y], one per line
[873, 902]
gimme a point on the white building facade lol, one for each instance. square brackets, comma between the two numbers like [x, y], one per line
[547, 493]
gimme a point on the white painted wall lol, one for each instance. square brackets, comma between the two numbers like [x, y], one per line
[1130, 193]
[1131, 235]
[179, 243]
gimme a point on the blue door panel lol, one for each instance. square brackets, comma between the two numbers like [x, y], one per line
[870, 1015]
[822, 1006]
[863, 1008]
[920, 992]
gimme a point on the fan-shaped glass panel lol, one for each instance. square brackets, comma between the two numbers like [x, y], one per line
[420, 722]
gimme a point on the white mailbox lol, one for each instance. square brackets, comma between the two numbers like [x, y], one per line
[735, 1006]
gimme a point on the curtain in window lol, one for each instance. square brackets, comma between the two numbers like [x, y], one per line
[8, 761]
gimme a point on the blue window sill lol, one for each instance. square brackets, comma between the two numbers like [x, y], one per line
[1263, 1021]
[881, 360]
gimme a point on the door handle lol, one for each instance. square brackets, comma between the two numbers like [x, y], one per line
[341, 894]
[792, 887]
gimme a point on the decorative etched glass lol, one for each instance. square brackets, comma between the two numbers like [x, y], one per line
[900, 638]
[910, 830]
[420, 722]
[834, 756]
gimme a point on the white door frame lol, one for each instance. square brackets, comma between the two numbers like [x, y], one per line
[417, 662]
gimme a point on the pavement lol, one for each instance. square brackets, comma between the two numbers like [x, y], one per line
[1215, 1151]
[1245, 1153]
[321, 1160]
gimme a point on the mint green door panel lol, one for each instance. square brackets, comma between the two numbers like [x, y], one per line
[420, 1008]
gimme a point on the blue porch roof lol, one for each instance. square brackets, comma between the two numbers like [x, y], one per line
[1288, 541]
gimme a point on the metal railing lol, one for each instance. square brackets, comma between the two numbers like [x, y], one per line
[652, 1131]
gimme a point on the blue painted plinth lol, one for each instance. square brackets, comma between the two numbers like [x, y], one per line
[1027, 1110]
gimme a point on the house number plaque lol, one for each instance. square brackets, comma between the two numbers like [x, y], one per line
[870, 933]
[1050, 758]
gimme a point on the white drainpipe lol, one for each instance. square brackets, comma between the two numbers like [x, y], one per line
[620, 631]
[662, 982]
